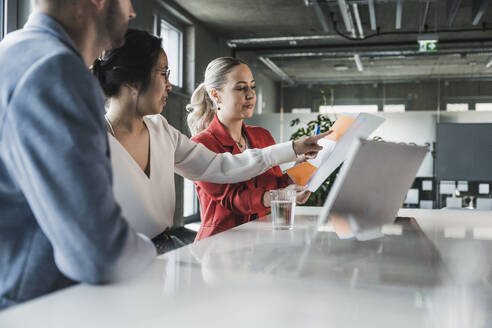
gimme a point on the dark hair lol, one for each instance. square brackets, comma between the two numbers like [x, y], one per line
[131, 63]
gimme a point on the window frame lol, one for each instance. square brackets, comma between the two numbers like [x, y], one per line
[160, 17]
[347, 108]
[178, 20]
[194, 217]
[10, 16]
[483, 106]
[454, 107]
[2, 19]
[386, 108]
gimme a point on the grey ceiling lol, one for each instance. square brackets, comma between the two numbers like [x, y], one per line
[387, 54]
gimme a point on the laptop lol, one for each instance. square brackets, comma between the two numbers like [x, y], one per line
[371, 187]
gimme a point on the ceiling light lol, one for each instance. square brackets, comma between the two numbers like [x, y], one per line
[340, 67]
[358, 63]
[357, 21]
[489, 62]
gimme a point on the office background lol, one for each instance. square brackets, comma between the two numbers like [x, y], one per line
[418, 63]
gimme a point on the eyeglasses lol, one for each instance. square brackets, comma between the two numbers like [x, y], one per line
[165, 73]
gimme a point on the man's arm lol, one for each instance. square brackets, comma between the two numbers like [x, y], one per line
[57, 145]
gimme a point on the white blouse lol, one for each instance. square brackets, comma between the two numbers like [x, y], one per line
[148, 202]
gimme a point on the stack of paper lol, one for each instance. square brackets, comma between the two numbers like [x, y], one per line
[335, 149]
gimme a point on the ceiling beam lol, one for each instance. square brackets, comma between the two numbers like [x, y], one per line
[382, 2]
[390, 80]
[277, 70]
[375, 52]
[347, 19]
[372, 14]
[476, 45]
[479, 7]
[358, 22]
[399, 12]
[282, 39]
[320, 14]
[426, 14]
[455, 5]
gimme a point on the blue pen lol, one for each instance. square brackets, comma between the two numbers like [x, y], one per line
[318, 129]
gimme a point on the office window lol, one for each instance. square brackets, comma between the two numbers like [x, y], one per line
[172, 43]
[398, 108]
[348, 109]
[259, 101]
[304, 110]
[190, 199]
[483, 107]
[456, 107]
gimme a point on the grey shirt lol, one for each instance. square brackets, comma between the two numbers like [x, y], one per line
[59, 222]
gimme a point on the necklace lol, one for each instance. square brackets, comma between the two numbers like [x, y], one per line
[239, 143]
[110, 125]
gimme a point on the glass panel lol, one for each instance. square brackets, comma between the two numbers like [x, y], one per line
[456, 107]
[172, 44]
[1, 19]
[483, 107]
[394, 108]
[348, 109]
[190, 200]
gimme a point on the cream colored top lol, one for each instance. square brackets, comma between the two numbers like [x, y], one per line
[148, 202]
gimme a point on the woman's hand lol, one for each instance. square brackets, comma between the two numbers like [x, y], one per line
[302, 195]
[309, 145]
[266, 199]
[300, 159]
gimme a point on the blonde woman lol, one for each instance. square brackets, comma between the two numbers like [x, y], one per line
[218, 108]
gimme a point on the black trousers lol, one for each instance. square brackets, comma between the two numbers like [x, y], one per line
[172, 239]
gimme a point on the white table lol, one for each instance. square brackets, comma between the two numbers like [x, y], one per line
[252, 276]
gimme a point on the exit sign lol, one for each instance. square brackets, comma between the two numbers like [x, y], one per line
[427, 45]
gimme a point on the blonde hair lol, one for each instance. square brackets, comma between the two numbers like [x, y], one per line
[202, 108]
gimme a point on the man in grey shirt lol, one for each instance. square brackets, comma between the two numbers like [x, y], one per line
[59, 222]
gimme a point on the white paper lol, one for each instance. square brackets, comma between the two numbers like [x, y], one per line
[447, 187]
[426, 184]
[412, 197]
[328, 161]
[484, 188]
[463, 186]
[328, 146]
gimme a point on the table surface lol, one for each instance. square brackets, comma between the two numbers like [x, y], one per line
[434, 271]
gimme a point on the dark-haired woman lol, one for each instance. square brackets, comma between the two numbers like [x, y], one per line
[146, 151]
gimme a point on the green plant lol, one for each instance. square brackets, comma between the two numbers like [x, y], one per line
[325, 123]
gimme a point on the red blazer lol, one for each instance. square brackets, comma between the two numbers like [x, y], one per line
[224, 206]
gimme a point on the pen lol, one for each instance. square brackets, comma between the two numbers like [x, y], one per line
[318, 129]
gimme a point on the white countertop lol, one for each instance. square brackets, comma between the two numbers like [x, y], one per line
[437, 273]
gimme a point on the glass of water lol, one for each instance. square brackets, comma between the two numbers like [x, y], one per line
[283, 204]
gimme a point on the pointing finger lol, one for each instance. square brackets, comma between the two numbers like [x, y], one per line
[321, 135]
